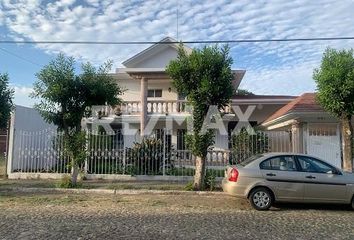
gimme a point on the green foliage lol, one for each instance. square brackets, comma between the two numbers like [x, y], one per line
[65, 98]
[205, 77]
[75, 147]
[243, 92]
[335, 82]
[189, 186]
[147, 157]
[244, 145]
[2, 166]
[210, 181]
[66, 182]
[6, 104]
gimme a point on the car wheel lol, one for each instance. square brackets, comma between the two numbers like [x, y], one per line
[261, 198]
[352, 203]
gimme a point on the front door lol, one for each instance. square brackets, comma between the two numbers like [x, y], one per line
[323, 142]
[321, 181]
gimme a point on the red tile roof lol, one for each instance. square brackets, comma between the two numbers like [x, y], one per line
[304, 103]
[262, 96]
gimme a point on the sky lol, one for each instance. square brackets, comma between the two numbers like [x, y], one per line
[272, 68]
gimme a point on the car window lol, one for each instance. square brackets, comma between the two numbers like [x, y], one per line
[309, 164]
[279, 163]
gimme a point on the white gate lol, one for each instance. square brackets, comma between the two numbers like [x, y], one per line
[323, 141]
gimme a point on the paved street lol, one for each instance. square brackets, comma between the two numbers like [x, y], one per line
[148, 216]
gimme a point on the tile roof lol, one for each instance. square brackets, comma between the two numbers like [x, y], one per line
[304, 103]
[262, 96]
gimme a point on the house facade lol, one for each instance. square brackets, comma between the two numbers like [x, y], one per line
[152, 107]
[151, 102]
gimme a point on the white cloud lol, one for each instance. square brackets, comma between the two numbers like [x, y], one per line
[271, 81]
[21, 96]
[137, 20]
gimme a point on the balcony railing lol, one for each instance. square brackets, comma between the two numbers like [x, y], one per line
[167, 107]
[153, 107]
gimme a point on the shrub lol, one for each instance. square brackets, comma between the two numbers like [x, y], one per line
[245, 145]
[189, 186]
[147, 157]
[210, 181]
[66, 182]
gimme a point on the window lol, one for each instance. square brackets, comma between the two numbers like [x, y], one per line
[154, 93]
[279, 163]
[313, 165]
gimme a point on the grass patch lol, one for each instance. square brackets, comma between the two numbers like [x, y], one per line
[40, 199]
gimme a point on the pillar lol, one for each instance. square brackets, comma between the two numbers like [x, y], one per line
[143, 101]
[296, 138]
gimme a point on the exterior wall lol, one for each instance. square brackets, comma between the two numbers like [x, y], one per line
[25, 122]
[158, 60]
[261, 112]
[133, 89]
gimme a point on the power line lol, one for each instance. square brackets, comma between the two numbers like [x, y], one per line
[20, 57]
[174, 42]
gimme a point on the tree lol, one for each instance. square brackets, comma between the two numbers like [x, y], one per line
[335, 85]
[6, 104]
[66, 98]
[205, 77]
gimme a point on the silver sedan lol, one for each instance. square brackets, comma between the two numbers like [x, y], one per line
[288, 177]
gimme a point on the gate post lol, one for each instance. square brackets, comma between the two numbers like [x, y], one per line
[164, 153]
[11, 145]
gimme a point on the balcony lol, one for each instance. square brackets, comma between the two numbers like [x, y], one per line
[162, 107]
[152, 107]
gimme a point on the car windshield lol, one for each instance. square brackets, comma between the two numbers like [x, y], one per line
[250, 159]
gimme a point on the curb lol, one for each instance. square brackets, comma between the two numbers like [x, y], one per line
[110, 191]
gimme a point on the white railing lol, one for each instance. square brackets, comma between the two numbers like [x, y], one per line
[152, 107]
[43, 152]
[166, 107]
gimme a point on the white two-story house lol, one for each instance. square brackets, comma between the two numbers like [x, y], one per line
[151, 102]
[152, 106]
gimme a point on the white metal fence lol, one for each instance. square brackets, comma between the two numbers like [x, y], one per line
[43, 152]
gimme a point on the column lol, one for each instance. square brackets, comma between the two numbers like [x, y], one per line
[296, 138]
[143, 101]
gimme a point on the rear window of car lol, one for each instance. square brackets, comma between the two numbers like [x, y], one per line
[250, 159]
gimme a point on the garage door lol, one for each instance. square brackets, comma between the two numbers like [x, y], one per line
[323, 141]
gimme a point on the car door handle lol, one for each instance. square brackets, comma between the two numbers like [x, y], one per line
[311, 177]
[271, 174]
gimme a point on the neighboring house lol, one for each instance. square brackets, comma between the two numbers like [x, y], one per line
[150, 95]
[314, 131]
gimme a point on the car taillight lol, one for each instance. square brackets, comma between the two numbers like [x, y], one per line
[233, 175]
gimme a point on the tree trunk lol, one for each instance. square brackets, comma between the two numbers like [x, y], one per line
[347, 138]
[74, 174]
[199, 176]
